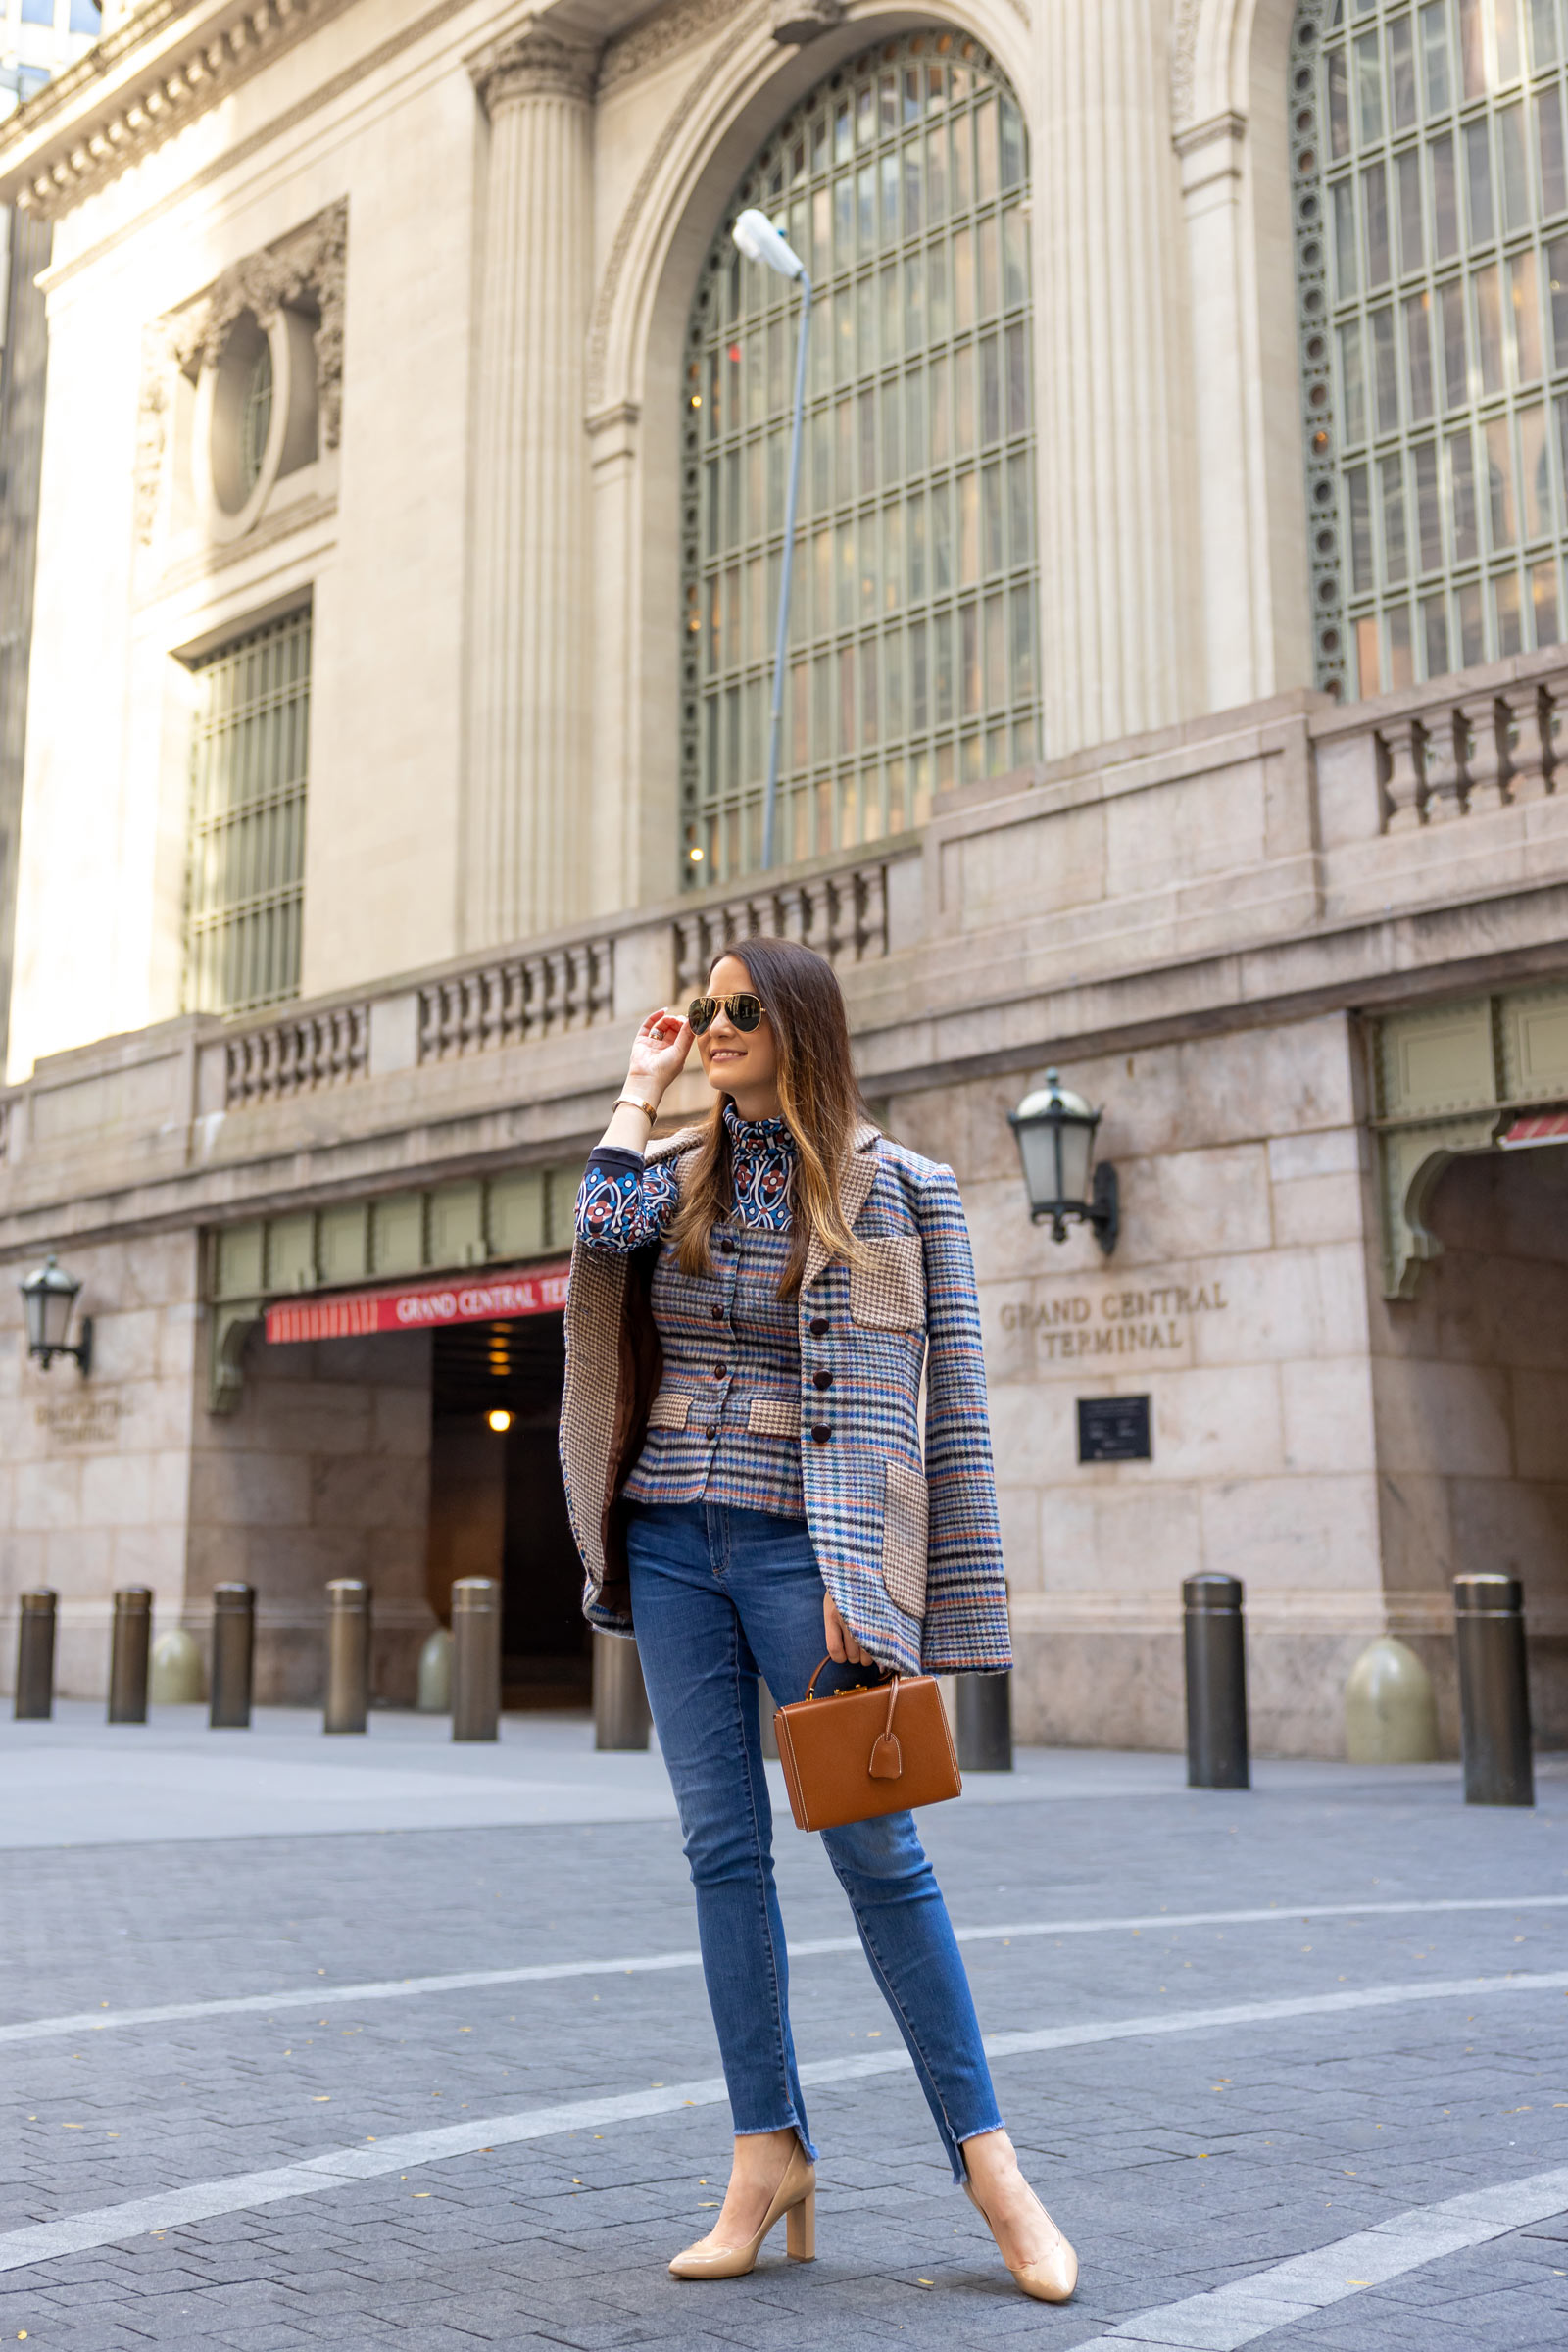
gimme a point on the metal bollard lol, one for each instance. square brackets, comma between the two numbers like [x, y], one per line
[1489, 1632]
[1214, 1644]
[127, 1654]
[36, 1656]
[476, 1658]
[348, 1655]
[233, 1655]
[985, 1722]
[620, 1701]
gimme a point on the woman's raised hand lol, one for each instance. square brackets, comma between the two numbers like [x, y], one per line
[659, 1051]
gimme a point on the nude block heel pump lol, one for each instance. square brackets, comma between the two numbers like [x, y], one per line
[799, 2231]
[794, 2196]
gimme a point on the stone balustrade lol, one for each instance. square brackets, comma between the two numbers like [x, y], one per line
[1250, 858]
[1464, 747]
[298, 1055]
[520, 998]
[1470, 754]
[845, 915]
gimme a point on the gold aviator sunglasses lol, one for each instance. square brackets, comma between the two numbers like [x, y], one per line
[745, 1011]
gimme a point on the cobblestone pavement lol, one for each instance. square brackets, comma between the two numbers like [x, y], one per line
[1183, 2157]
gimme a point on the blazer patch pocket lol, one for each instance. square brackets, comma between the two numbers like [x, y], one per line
[906, 1532]
[775, 1416]
[888, 1292]
[669, 1409]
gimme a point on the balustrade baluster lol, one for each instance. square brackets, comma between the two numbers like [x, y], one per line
[1403, 786]
[1487, 759]
[876, 921]
[1528, 741]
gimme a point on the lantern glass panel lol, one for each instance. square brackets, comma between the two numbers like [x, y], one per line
[1036, 1147]
[53, 1314]
[1077, 1146]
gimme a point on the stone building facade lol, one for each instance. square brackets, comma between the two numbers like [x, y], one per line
[1171, 697]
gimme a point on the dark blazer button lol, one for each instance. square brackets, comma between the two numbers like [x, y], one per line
[821, 1434]
[718, 1371]
[819, 1327]
[822, 1380]
[718, 1313]
[712, 1429]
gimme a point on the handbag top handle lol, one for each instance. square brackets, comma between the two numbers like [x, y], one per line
[811, 1688]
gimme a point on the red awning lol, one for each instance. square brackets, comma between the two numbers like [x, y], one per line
[1541, 1127]
[421, 1306]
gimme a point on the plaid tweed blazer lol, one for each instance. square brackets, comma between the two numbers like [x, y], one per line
[904, 1527]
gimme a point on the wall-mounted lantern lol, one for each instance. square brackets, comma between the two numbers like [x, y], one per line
[1055, 1132]
[48, 1297]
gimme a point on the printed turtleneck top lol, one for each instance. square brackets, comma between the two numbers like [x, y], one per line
[725, 1426]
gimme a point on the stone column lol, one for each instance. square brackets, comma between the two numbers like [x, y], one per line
[1122, 637]
[1225, 395]
[525, 839]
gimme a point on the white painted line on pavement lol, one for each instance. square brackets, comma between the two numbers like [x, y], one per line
[1247, 2308]
[168, 2209]
[397, 1989]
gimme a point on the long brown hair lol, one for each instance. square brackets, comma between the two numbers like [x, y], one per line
[821, 1103]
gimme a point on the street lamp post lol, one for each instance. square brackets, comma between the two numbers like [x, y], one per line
[753, 232]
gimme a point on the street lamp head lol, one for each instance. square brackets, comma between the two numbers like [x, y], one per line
[753, 232]
[47, 1299]
[1055, 1132]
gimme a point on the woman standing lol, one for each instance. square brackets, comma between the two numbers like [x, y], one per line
[752, 1303]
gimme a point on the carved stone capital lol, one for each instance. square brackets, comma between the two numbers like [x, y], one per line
[534, 64]
[796, 22]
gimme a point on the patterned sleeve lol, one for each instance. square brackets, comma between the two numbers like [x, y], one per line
[622, 1204]
[966, 1594]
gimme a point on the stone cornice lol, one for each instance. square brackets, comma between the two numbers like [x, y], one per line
[168, 62]
[532, 63]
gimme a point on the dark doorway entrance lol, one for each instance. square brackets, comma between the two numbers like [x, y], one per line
[497, 1507]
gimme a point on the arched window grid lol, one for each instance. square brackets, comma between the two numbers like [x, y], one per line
[1431, 203]
[903, 183]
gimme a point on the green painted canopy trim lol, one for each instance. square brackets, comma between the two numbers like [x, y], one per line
[480, 1220]
[1449, 1079]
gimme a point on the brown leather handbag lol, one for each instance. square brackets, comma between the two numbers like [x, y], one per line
[879, 1748]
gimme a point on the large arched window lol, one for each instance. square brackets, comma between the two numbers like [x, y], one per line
[1432, 253]
[902, 181]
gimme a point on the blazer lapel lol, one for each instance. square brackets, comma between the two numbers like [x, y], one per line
[855, 1190]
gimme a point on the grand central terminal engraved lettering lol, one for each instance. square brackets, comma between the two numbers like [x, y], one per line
[1151, 1321]
[89, 1420]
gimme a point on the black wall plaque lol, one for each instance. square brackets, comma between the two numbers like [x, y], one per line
[1114, 1429]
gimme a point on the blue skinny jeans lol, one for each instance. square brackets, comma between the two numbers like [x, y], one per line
[719, 1595]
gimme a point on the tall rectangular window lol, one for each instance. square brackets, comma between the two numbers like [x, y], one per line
[1434, 136]
[245, 874]
[918, 463]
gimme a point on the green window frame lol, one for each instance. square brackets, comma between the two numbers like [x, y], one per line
[245, 871]
[903, 182]
[1430, 195]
